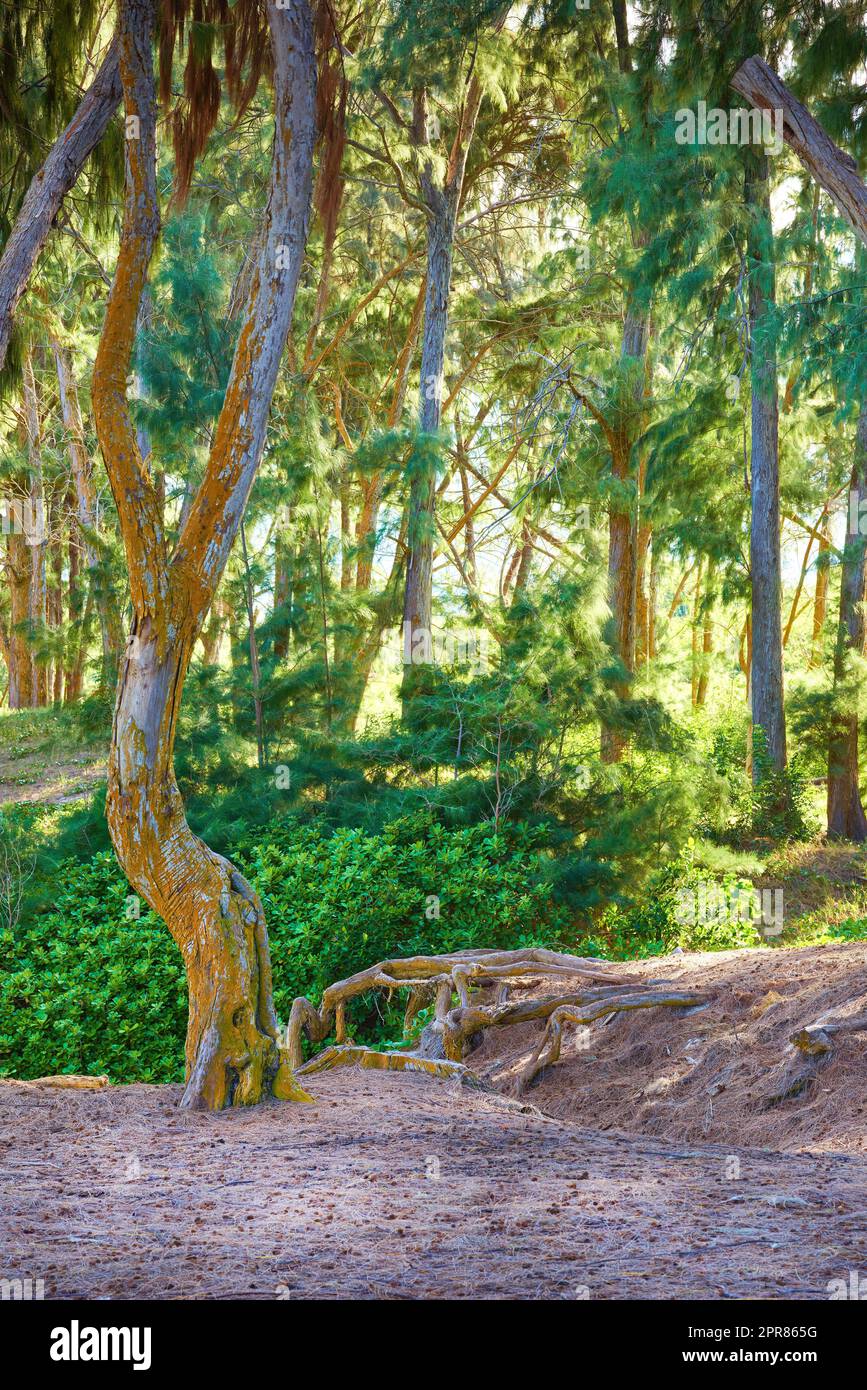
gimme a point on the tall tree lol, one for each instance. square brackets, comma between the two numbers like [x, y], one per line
[215, 917]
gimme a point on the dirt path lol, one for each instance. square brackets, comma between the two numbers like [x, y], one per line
[398, 1186]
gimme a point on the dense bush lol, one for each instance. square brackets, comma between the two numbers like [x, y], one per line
[683, 905]
[85, 988]
[337, 903]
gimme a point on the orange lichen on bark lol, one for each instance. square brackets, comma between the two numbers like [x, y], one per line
[232, 1049]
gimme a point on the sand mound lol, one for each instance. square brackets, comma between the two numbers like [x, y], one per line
[713, 1073]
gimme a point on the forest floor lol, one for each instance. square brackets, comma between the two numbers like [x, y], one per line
[42, 760]
[402, 1186]
[396, 1186]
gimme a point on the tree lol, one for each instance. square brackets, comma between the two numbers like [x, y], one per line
[837, 173]
[215, 917]
[50, 186]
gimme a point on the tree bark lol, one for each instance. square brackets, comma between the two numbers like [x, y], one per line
[232, 1051]
[623, 522]
[765, 574]
[18, 569]
[442, 207]
[836, 171]
[107, 610]
[846, 818]
[820, 600]
[50, 186]
[37, 613]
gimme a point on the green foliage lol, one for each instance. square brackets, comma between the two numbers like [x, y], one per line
[682, 905]
[85, 988]
[336, 903]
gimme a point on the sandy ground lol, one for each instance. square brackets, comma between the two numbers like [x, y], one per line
[401, 1186]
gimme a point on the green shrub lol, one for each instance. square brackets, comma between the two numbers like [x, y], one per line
[663, 920]
[83, 988]
[336, 903]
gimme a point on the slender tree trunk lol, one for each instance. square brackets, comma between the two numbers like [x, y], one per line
[106, 607]
[255, 670]
[820, 602]
[846, 818]
[216, 919]
[38, 600]
[442, 206]
[18, 569]
[417, 605]
[695, 627]
[623, 523]
[643, 596]
[282, 595]
[55, 607]
[77, 645]
[706, 639]
[652, 602]
[765, 577]
[50, 186]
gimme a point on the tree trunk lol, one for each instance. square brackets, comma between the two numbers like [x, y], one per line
[820, 602]
[417, 603]
[107, 610]
[846, 818]
[765, 578]
[214, 916]
[75, 618]
[50, 186]
[706, 639]
[18, 569]
[623, 524]
[442, 206]
[37, 613]
[830, 166]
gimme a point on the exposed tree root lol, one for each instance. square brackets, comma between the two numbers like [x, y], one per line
[449, 1036]
[588, 1012]
[813, 1047]
[350, 1055]
[70, 1082]
[432, 977]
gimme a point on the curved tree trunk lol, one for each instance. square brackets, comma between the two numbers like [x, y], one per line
[217, 921]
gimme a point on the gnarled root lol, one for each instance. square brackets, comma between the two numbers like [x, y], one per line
[70, 1082]
[349, 1055]
[447, 1038]
[588, 1012]
[433, 976]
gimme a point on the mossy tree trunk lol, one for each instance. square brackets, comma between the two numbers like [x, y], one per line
[214, 916]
